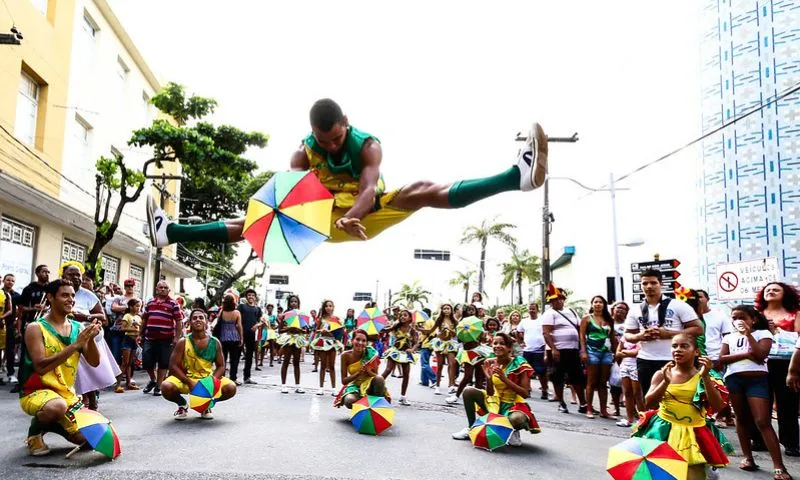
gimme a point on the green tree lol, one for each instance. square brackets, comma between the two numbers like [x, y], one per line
[481, 234]
[521, 266]
[463, 280]
[411, 294]
[218, 177]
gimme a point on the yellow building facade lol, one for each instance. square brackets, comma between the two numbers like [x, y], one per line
[45, 202]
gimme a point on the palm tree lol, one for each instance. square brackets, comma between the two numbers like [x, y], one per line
[411, 294]
[521, 266]
[488, 229]
[464, 280]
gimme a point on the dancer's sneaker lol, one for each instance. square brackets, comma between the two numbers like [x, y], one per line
[532, 160]
[181, 413]
[299, 389]
[207, 415]
[515, 440]
[149, 387]
[157, 222]
[36, 445]
[439, 391]
[452, 390]
[562, 408]
[462, 434]
[321, 391]
[284, 389]
[451, 400]
[404, 401]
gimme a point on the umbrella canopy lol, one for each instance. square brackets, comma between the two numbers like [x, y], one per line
[645, 459]
[334, 323]
[288, 217]
[205, 393]
[98, 432]
[490, 431]
[418, 316]
[372, 415]
[372, 321]
[296, 319]
[469, 329]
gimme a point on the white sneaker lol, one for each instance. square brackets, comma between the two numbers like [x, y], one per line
[623, 423]
[12, 379]
[207, 415]
[333, 393]
[299, 389]
[452, 390]
[462, 434]
[451, 400]
[284, 389]
[321, 391]
[532, 160]
[438, 391]
[157, 222]
[180, 413]
[404, 401]
[515, 441]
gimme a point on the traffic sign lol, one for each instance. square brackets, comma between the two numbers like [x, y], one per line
[662, 265]
[743, 280]
[362, 297]
[639, 297]
[666, 286]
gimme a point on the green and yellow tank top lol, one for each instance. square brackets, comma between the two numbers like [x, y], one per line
[199, 363]
[61, 379]
[402, 340]
[341, 176]
[596, 336]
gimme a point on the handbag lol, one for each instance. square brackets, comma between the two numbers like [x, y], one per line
[783, 345]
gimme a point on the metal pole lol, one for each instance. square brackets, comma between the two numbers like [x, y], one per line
[162, 190]
[618, 293]
[545, 241]
[146, 287]
[377, 287]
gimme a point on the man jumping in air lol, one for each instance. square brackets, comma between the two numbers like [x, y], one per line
[347, 161]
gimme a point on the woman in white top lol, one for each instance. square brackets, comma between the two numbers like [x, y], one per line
[745, 353]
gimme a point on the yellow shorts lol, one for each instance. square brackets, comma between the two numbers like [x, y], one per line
[375, 222]
[2, 339]
[32, 403]
[184, 389]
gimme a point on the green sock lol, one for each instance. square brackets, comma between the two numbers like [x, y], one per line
[466, 192]
[35, 428]
[180, 401]
[213, 232]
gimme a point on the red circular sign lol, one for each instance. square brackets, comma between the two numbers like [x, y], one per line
[728, 281]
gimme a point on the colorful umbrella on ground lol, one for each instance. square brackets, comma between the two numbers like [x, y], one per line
[490, 431]
[296, 319]
[98, 432]
[288, 217]
[205, 393]
[372, 321]
[645, 459]
[372, 415]
[418, 316]
[469, 329]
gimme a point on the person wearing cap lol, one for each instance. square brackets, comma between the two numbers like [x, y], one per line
[561, 328]
[480, 310]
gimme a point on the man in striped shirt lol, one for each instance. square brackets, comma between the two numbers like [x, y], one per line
[161, 329]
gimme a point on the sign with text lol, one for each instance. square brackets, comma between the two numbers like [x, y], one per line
[742, 280]
[668, 276]
[663, 265]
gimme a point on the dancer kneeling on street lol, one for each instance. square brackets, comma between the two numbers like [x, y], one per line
[195, 357]
[360, 373]
[54, 343]
[508, 385]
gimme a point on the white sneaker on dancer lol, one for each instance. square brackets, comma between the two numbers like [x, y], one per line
[462, 434]
[438, 391]
[451, 400]
[532, 160]
[284, 389]
[515, 441]
[452, 390]
[157, 222]
[180, 413]
[207, 415]
[299, 389]
[321, 391]
[404, 401]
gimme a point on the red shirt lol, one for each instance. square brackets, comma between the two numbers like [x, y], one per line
[162, 317]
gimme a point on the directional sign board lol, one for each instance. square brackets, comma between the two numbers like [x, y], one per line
[743, 280]
[668, 276]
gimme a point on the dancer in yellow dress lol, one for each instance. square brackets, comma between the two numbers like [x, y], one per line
[445, 345]
[195, 357]
[360, 372]
[401, 352]
[291, 341]
[679, 394]
[507, 388]
[54, 344]
[326, 345]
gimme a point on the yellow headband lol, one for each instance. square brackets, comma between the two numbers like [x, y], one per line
[71, 263]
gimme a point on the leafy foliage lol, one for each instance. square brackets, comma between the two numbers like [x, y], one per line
[411, 294]
[463, 280]
[488, 229]
[521, 266]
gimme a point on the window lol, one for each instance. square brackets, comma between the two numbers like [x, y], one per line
[279, 279]
[83, 131]
[72, 251]
[137, 273]
[110, 266]
[89, 25]
[27, 109]
[41, 5]
[441, 255]
[17, 233]
[122, 69]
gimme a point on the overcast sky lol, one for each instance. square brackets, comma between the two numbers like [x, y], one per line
[446, 85]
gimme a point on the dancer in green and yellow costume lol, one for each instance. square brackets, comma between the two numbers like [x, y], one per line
[348, 162]
[194, 358]
[401, 352]
[360, 372]
[54, 343]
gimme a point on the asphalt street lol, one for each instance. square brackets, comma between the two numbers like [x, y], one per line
[262, 433]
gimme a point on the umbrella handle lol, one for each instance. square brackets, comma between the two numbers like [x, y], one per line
[75, 450]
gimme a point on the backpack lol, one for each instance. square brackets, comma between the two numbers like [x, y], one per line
[662, 313]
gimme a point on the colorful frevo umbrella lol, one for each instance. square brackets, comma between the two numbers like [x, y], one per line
[418, 316]
[205, 393]
[288, 217]
[469, 329]
[296, 319]
[467, 356]
[98, 432]
[645, 459]
[334, 323]
[372, 415]
[372, 321]
[490, 431]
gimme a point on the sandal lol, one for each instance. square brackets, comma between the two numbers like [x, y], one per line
[590, 415]
[780, 474]
[748, 465]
